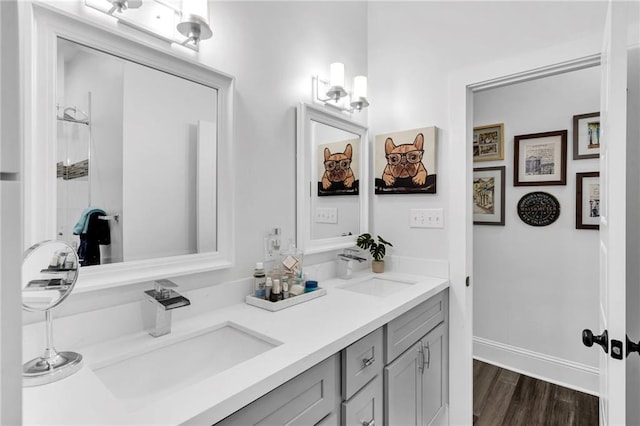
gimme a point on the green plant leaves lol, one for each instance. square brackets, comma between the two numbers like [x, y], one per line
[377, 250]
[364, 241]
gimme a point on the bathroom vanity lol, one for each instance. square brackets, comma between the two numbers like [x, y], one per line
[372, 349]
[348, 388]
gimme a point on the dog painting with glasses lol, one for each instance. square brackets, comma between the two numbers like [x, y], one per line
[338, 177]
[405, 155]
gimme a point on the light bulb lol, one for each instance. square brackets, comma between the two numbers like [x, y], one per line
[360, 87]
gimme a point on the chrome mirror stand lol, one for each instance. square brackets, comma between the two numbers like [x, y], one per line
[52, 365]
[49, 273]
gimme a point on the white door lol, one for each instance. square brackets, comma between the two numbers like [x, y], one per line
[613, 117]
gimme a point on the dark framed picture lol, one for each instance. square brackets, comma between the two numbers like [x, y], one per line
[586, 136]
[405, 162]
[540, 159]
[488, 142]
[488, 195]
[588, 200]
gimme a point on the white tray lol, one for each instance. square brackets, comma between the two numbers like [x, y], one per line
[286, 303]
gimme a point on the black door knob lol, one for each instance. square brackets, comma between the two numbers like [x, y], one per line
[589, 339]
[632, 347]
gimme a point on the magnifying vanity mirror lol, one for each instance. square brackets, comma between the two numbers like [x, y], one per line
[128, 149]
[49, 273]
[332, 179]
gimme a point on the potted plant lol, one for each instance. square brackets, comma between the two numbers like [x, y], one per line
[377, 250]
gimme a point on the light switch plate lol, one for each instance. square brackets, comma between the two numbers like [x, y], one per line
[327, 215]
[426, 218]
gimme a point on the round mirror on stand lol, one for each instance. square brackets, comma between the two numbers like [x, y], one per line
[49, 273]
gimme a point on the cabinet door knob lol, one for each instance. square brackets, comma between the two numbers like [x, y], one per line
[371, 422]
[368, 361]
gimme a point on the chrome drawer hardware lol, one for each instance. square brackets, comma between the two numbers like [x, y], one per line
[368, 361]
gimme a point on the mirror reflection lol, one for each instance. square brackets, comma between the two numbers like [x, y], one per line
[49, 272]
[335, 205]
[136, 159]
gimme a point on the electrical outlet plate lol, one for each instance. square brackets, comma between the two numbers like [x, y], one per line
[326, 215]
[426, 218]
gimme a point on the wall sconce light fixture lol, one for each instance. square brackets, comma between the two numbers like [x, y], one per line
[334, 94]
[163, 19]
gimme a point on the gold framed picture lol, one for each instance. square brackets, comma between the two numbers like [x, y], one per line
[488, 142]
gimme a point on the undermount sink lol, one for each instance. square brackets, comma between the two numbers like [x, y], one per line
[376, 286]
[180, 362]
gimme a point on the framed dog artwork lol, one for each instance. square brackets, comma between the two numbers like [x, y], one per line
[405, 162]
[338, 170]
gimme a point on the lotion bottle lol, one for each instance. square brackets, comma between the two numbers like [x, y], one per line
[259, 281]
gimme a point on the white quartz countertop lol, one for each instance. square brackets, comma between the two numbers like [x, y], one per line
[309, 332]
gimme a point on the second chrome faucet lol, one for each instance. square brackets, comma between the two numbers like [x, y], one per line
[345, 262]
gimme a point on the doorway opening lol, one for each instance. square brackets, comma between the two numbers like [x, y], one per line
[535, 284]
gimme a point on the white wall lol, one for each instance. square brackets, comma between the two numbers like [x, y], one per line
[414, 47]
[273, 49]
[536, 288]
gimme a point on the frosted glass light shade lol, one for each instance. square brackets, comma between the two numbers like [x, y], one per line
[194, 23]
[336, 78]
[336, 81]
[360, 87]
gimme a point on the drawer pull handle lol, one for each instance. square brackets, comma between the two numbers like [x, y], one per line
[367, 362]
[371, 422]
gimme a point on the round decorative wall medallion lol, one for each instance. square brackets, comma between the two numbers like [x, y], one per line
[538, 209]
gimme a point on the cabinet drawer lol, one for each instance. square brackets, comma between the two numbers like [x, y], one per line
[361, 362]
[304, 400]
[409, 327]
[365, 408]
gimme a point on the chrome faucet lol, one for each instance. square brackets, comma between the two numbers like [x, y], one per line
[158, 306]
[345, 262]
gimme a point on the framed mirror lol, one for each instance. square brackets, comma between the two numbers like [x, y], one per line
[332, 180]
[127, 147]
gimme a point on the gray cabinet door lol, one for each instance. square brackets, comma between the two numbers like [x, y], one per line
[434, 374]
[403, 389]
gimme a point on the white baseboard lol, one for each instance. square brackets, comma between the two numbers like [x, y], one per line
[573, 375]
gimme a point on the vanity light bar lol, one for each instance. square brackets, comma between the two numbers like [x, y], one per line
[156, 18]
[332, 93]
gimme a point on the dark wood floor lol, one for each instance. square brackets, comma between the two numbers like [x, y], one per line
[502, 397]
